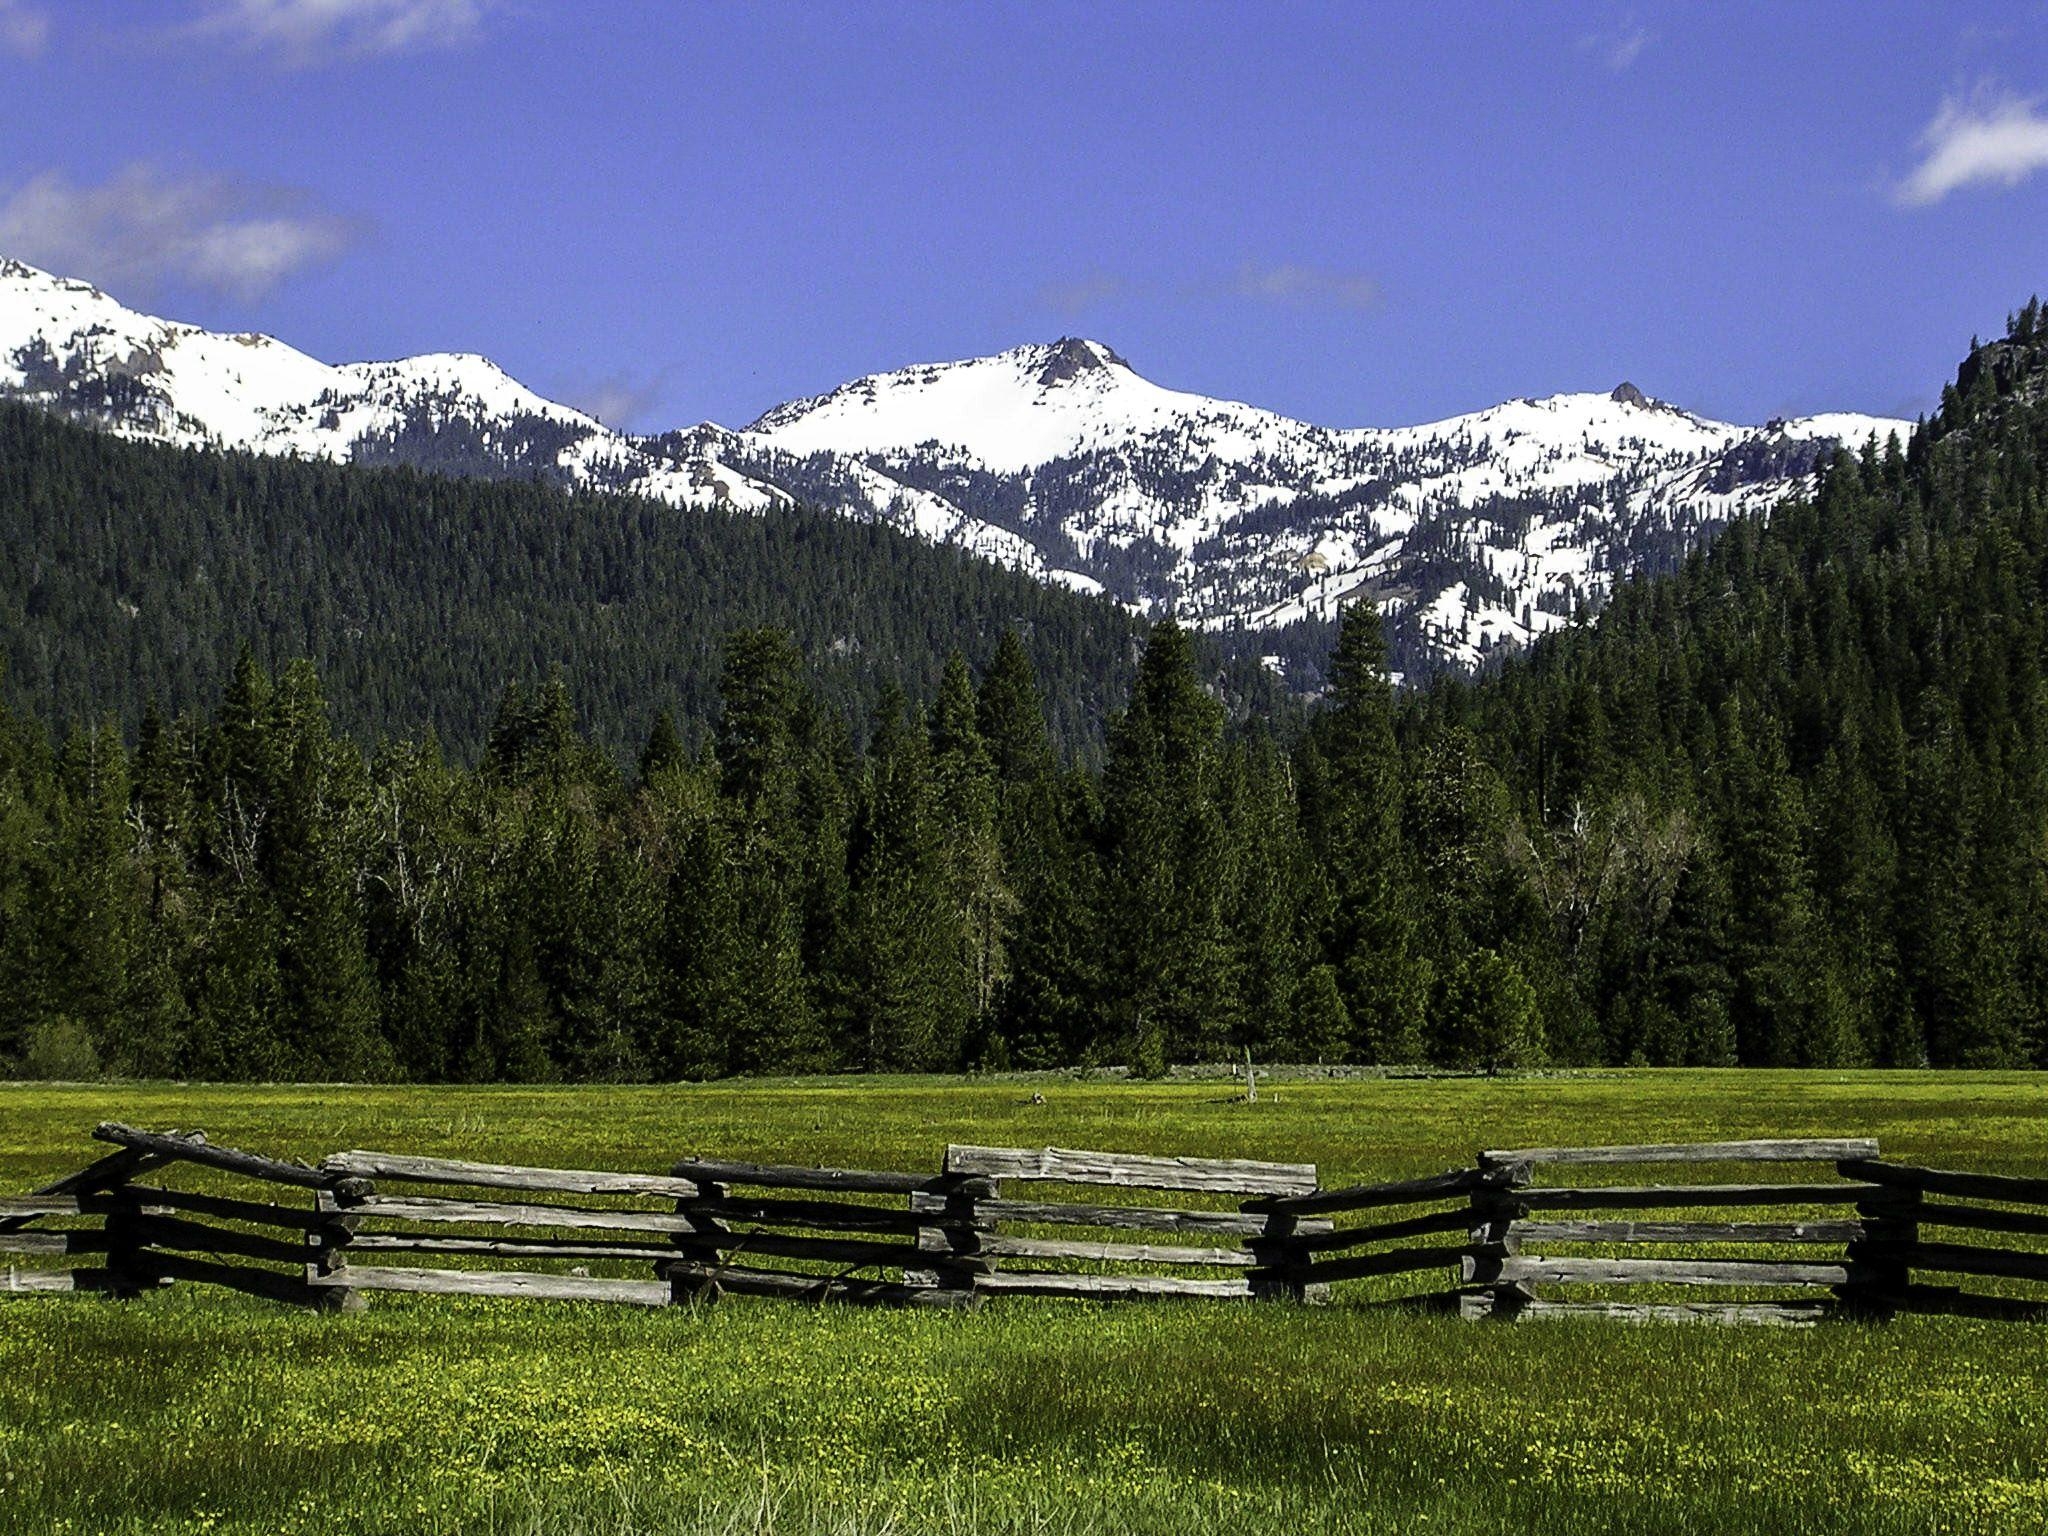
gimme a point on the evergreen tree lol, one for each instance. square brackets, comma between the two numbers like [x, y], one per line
[1166, 864]
[1356, 810]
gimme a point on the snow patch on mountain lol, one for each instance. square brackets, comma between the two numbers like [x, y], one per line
[1475, 533]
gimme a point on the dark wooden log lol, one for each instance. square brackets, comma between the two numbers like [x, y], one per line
[1282, 1262]
[1964, 1259]
[114, 1169]
[1804, 1150]
[1138, 1218]
[1112, 1287]
[435, 1170]
[121, 1216]
[1683, 1196]
[820, 1215]
[1774, 1314]
[1534, 1269]
[497, 1282]
[775, 1245]
[45, 1243]
[228, 1159]
[1358, 1197]
[1218, 1175]
[1880, 1254]
[1456, 1219]
[224, 1208]
[1400, 1261]
[514, 1214]
[1495, 1224]
[46, 1281]
[1948, 1181]
[996, 1245]
[503, 1247]
[29, 1207]
[824, 1288]
[697, 1217]
[201, 1237]
[1796, 1232]
[846, 1180]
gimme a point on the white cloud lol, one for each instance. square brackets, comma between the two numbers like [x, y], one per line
[1620, 48]
[145, 228]
[24, 29]
[1076, 296]
[1292, 283]
[1989, 138]
[619, 400]
[304, 32]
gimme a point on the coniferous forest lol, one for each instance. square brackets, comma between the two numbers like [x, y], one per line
[1788, 805]
[134, 574]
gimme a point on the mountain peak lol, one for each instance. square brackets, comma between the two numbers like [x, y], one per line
[1072, 356]
[1053, 456]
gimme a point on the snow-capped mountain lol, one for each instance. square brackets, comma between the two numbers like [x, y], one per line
[1059, 459]
[1471, 532]
[67, 345]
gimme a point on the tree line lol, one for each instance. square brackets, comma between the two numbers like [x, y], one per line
[1785, 806]
[133, 573]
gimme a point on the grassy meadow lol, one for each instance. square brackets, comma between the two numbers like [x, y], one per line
[197, 1411]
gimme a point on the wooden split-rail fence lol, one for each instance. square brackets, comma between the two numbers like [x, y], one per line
[1523, 1233]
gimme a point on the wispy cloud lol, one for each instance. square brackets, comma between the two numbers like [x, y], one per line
[1074, 297]
[1988, 138]
[619, 400]
[146, 228]
[1618, 47]
[1291, 282]
[24, 29]
[307, 32]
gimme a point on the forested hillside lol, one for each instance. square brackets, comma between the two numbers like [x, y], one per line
[132, 574]
[1794, 800]
[1786, 806]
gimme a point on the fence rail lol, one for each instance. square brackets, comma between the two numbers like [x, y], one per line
[1528, 1233]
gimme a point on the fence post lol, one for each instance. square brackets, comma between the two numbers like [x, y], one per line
[328, 1242]
[697, 1249]
[128, 1273]
[1283, 1258]
[958, 1256]
[1491, 1235]
[1880, 1261]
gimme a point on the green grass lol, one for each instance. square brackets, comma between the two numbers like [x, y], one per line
[199, 1411]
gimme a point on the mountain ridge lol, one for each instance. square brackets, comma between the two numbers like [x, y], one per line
[1058, 459]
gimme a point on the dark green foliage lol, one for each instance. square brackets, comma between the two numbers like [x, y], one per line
[132, 573]
[1785, 806]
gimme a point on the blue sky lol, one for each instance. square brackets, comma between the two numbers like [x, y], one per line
[1359, 214]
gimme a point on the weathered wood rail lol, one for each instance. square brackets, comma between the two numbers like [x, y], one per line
[1526, 1233]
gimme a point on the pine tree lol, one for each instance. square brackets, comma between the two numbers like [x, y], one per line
[308, 853]
[1486, 1015]
[981, 905]
[904, 961]
[664, 748]
[1166, 863]
[1357, 816]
